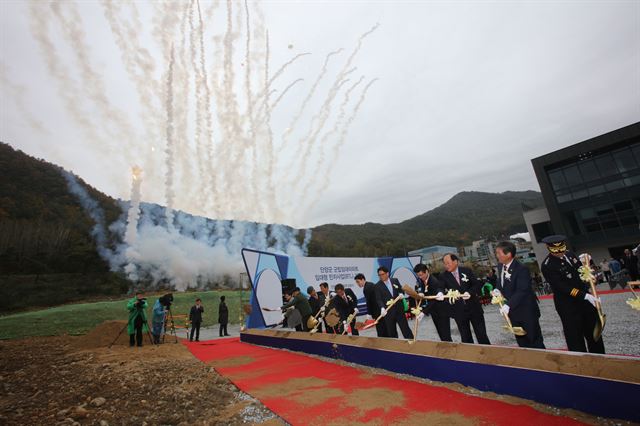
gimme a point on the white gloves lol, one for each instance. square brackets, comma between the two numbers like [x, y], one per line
[332, 294]
[421, 295]
[356, 311]
[504, 310]
[383, 312]
[466, 295]
[496, 293]
[345, 324]
[322, 309]
[420, 316]
[589, 298]
[440, 296]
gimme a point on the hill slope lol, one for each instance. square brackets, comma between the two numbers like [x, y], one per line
[466, 217]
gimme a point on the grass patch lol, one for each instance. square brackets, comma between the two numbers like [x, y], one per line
[79, 318]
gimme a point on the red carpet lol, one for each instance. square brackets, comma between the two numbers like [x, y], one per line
[307, 391]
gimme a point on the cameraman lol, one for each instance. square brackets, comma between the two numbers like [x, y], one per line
[162, 305]
[137, 318]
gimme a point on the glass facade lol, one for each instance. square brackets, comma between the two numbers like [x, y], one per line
[598, 193]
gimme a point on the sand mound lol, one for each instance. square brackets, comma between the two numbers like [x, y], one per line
[103, 335]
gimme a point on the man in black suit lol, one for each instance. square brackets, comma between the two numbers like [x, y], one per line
[387, 289]
[468, 311]
[368, 289]
[322, 297]
[514, 283]
[314, 302]
[346, 304]
[440, 311]
[631, 264]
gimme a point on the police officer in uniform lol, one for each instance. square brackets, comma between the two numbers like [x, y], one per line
[575, 305]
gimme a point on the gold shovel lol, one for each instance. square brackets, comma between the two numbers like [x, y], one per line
[518, 331]
[390, 304]
[587, 276]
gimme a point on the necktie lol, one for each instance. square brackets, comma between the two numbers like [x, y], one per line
[388, 283]
[504, 275]
[455, 274]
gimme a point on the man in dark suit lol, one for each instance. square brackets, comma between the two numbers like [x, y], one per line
[387, 289]
[468, 311]
[440, 311]
[631, 264]
[514, 283]
[314, 302]
[369, 291]
[575, 305]
[322, 297]
[346, 304]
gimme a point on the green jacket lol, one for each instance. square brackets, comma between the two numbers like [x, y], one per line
[301, 303]
[133, 314]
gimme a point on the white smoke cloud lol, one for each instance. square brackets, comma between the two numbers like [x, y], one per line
[191, 251]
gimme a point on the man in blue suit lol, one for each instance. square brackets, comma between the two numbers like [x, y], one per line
[514, 283]
[386, 289]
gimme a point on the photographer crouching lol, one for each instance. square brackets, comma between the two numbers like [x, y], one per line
[137, 319]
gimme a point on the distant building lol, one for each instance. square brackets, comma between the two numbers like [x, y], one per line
[433, 254]
[592, 195]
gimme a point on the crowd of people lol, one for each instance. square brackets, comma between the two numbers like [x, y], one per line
[512, 283]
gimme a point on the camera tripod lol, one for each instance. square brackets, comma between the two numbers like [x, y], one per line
[125, 327]
[169, 322]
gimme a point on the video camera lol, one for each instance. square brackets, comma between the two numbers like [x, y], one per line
[166, 300]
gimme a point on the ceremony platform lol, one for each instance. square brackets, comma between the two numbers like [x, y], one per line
[305, 389]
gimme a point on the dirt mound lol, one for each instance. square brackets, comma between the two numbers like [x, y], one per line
[47, 380]
[103, 335]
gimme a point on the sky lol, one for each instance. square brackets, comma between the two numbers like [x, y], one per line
[440, 97]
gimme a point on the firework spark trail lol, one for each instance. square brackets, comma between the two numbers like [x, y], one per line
[307, 144]
[131, 233]
[140, 67]
[267, 88]
[273, 211]
[284, 92]
[208, 144]
[325, 138]
[121, 130]
[137, 61]
[170, 148]
[233, 141]
[66, 86]
[306, 100]
[18, 93]
[252, 136]
[324, 183]
[321, 118]
[199, 109]
[184, 150]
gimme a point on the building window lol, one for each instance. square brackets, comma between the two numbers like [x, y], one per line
[624, 160]
[606, 165]
[572, 223]
[589, 170]
[542, 230]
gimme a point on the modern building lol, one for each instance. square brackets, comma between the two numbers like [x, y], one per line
[592, 195]
[432, 254]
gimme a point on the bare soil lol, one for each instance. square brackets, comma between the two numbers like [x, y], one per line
[79, 380]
